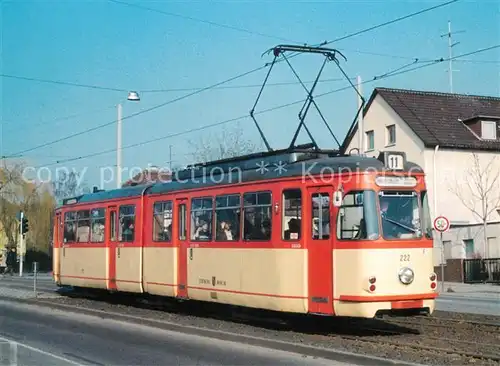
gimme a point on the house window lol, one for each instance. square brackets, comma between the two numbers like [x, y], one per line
[391, 135]
[489, 130]
[469, 248]
[370, 140]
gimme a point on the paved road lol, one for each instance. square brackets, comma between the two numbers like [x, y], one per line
[468, 304]
[50, 337]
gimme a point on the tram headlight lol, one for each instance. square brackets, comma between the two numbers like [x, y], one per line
[406, 275]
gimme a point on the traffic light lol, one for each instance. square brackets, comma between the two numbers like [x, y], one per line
[24, 226]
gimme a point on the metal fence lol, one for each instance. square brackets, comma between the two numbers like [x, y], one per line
[482, 270]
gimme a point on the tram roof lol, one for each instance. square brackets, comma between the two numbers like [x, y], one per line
[190, 179]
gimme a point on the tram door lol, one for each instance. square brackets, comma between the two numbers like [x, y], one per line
[182, 254]
[57, 247]
[112, 246]
[320, 254]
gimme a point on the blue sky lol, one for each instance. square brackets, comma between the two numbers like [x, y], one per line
[113, 45]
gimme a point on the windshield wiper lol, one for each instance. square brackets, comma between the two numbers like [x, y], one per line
[402, 225]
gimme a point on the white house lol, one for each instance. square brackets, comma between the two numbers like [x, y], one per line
[456, 140]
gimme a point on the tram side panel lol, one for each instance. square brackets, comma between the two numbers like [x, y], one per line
[274, 279]
[214, 274]
[82, 257]
[83, 266]
[160, 270]
[265, 278]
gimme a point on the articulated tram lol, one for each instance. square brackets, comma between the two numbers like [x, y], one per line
[290, 231]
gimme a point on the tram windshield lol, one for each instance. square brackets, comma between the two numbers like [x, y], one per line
[400, 213]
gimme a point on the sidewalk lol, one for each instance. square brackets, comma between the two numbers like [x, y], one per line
[465, 290]
[12, 290]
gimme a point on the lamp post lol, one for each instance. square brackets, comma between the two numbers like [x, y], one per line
[134, 97]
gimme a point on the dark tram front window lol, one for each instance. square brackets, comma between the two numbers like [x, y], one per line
[400, 214]
[426, 215]
[357, 218]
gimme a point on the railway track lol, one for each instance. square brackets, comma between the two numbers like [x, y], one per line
[417, 334]
[456, 350]
[431, 319]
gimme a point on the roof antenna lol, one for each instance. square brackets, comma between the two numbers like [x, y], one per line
[450, 52]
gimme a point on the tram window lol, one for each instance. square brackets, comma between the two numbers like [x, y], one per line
[257, 216]
[83, 226]
[70, 227]
[112, 230]
[426, 215]
[201, 219]
[227, 217]
[182, 222]
[292, 214]
[357, 217]
[162, 221]
[320, 216]
[98, 220]
[126, 229]
[400, 213]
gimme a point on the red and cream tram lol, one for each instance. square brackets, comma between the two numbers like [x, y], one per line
[293, 232]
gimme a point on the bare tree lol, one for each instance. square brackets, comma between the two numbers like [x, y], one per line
[221, 145]
[480, 191]
[16, 194]
[40, 213]
[11, 178]
[67, 185]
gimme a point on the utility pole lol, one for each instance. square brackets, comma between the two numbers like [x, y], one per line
[360, 118]
[450, 53]
[119, 147]
[21, 245]
[170, 158]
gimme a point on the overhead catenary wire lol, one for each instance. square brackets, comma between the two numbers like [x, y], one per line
[66, 83]
[284, 83]
[11, 125]
[369, 29]
[239, 29]
[197, 129]
[74, 115]
[138, 113]
[234, 78]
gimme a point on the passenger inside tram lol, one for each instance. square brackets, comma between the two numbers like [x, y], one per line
[202, 232]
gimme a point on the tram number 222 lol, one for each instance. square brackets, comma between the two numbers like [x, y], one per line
[404, 258]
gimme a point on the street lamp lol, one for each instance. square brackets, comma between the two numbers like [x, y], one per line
[133, 97]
